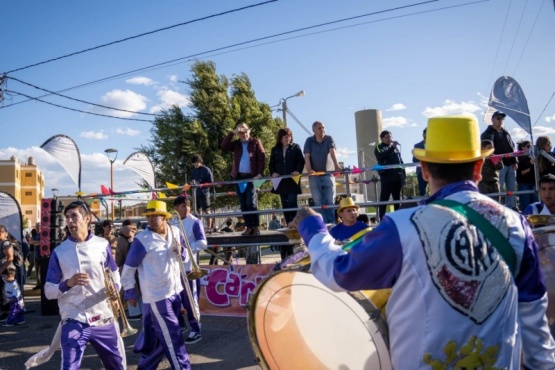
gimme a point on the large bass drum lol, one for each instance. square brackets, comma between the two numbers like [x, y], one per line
[545, 237]
[295, 322]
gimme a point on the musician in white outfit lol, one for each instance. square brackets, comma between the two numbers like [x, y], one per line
[76, 279]
[197, 240]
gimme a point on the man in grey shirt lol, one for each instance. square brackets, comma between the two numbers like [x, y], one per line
[317, 150]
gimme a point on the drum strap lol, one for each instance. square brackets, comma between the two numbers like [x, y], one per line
[495, 237]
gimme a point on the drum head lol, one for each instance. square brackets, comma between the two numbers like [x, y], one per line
[295, 322]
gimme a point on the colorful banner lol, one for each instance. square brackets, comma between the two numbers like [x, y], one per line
[225, 290]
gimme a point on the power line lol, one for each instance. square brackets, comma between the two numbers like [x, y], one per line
[544, 108]
[76, 110]
[142, 34]
[499, 45]
[79, 100]
[299, 122]
[514, 38]
[220, 49]
[528, 39]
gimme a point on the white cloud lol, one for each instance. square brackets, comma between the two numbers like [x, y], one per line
[519, 134]
[397, 107]
[342, 153]
[100, 135]
[550, 119]
[394, 122]
[127, 131]
[168, 98]
[451, 108]
[141, 81]
[172, 78]
[121, 99]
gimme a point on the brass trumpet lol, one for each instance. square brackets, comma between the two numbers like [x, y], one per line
[178, 247]
[115, 300]
[196, 271]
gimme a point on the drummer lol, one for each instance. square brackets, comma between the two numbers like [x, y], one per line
[546, 206]
[455, 303]
[349, 225]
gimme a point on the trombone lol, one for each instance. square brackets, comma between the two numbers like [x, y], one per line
[115, 300]
[183, 272]
[196, 271]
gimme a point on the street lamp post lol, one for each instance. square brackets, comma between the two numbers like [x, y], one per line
[112, 155]
[284, 105]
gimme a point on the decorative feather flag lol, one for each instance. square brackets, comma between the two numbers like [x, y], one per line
[141, 164]
[66, 152]
[508, 97]
[10, 215]
[275, 182]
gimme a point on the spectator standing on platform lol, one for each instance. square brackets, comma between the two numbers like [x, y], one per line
[197, 241]
[422, 184]
[319, 154]
[287, 158]
[202, 175]
[526, 177]
[490, 173]
[503, 144]
[248, 164]
[154, 255]
[546, 205]
[545, 166]
[126, 235]
[392, 179]
[76, 279]
[456, 300]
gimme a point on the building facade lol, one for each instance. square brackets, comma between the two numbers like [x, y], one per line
[25, 182]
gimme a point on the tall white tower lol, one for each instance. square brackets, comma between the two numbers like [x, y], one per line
[368, 127]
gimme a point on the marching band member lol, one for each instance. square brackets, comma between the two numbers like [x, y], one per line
[76, 279]
[153, 255]
[197, 240]
[458, 299]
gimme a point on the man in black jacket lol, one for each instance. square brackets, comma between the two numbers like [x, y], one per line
[503, 144]
[392, 179]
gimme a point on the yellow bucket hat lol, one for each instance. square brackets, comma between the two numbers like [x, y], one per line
[156, 207]
[346, 202]
[452, 140]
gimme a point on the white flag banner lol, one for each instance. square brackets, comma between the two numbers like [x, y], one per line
[10, 215]
[140, 163]
[66, 152]
[508, 97]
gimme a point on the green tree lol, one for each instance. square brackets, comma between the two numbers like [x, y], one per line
[218, 104]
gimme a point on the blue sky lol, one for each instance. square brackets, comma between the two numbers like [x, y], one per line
[423, 59]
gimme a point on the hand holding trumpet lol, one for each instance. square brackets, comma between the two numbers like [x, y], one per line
[80, 278]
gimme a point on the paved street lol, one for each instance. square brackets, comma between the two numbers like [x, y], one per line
[225, 343]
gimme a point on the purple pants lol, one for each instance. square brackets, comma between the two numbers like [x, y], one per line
[190, 306]
[106, 341]
[161, 335]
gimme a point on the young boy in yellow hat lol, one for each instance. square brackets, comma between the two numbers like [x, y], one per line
[458, 299]
[349, 225]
